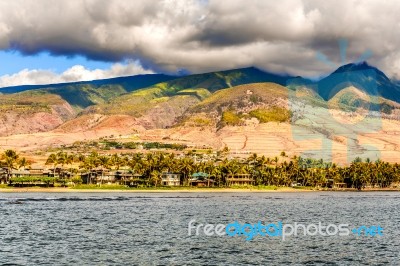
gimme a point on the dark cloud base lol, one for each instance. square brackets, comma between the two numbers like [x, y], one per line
[202, 36]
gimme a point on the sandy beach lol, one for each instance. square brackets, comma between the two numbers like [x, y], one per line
[155, 190]
[180, 190]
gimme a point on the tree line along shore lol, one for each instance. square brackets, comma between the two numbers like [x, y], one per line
[190, 169]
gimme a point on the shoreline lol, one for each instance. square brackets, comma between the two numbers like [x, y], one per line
[183, 190]
[155, 190]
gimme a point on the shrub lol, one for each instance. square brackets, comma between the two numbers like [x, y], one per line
[199, 121]
[272, 114]
[77, 180]
[230, 118]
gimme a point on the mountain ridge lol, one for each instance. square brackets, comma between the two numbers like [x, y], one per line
[143, 80]
[352, 74]
[361, 75]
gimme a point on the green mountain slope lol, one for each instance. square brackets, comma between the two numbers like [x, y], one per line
[214, 81]
[233, 106]
[89, 93]
[82, 96]
[199, 86]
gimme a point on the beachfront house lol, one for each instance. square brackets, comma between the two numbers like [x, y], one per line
[170, 179]
[200, 179]
[239, 179]
[29, 172]
[134, 180]
[98, 175]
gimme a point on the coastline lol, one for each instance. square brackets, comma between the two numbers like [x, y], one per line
[154, 190]
[182, 190]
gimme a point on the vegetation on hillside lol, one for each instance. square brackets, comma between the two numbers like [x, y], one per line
[29, 102]
[141, 101]
[82, 96]
[350, 100]
[230, 118]
[271, 114]
[265, 92]
[200, 93]
[109, 144]
[78, 96]
[215, 81]
[231, 106]
[197, 88]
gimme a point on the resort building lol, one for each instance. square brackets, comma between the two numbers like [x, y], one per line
[105, 176]
[201, 179]
[134, 180]
[98, 176]
[170, 179]
[239, 179]
[29, 172]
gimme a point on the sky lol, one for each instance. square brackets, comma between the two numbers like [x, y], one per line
[49, 41]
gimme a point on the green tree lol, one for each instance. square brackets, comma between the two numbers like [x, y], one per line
[10, 158]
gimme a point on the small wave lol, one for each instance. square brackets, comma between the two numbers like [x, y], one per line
[15, 202]
[170, 197]
[65, 199]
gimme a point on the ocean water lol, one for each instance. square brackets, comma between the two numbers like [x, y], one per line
[152, 228]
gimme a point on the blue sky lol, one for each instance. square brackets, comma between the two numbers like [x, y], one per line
[44, 68]
[13, 62]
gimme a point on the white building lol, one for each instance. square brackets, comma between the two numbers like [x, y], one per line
[170, 179]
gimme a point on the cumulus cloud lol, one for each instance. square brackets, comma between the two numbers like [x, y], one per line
[75, 73]
[201, 36]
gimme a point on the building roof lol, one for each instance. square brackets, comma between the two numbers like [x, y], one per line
[200, 174]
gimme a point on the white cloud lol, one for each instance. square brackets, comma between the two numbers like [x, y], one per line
[206, 35]
[75, 73]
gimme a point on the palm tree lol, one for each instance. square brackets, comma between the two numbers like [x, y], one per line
[70, 159]
[266, 171]
[118, 161]
[62, 158]
[155, 177]
[252, 158]
[276, 160]
[80, 158]
[53, 159]
[104, 162]
[10, 158]
[23, 162]
[186, 167]
[90, 162]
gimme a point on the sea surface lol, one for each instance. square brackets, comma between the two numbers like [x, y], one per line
[152, 228]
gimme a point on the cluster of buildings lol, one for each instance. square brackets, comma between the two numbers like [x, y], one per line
[121, 177]
[125, 177]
